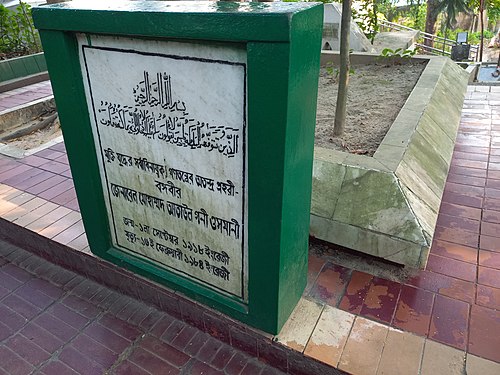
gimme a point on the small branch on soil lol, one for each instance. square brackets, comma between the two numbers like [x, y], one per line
[30, 129]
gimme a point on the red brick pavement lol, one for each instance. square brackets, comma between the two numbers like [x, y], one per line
[54, 322]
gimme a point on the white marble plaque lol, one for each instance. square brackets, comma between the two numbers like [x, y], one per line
[169, 124]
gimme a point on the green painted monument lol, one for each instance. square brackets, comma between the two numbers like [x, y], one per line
[189, 128]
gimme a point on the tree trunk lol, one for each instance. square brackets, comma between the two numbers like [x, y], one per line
[430, 21]
[345, 28]
[481, 16]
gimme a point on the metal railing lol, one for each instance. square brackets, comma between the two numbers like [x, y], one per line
[446, 44]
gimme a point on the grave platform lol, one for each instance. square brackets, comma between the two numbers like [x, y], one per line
[357, 315]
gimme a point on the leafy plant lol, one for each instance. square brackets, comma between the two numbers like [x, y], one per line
[398, 52]
[17, 31]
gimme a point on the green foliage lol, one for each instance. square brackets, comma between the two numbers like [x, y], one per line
[398, 53]
[17, 32]
[492, 8]
[415, 16]
[473, 38]
[334, 72]
[367, 18]
[452, 8]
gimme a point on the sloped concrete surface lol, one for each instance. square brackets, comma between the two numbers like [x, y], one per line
[387, 205]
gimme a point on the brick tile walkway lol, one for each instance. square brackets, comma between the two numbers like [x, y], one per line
[54, 322]
[456, 299]
[24, 95]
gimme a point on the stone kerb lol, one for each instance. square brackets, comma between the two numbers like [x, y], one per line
[387, 205]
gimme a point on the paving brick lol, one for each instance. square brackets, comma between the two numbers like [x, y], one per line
[56, 367]
[315, 264]
[381, 299]
[33, 160]
[402, 354]
[484, 334]
[79, 243]
[65, 197]
[41, 337]
[165, 351]
[12, 363]
[491, 216]
[489, 243]
[106, 337]
[11, 319]
[128, 368]
[479, 366]
[56, 326]
[86, 289]
[457, 236]
[68, 315]
[413, 312]
[14, 203]
[20, 168]
[151, 363]
[27, 350]
[199, 367]
[366, 337]
[9, 281]
[222, 357]
[34, 296]
[196, 343]
[454, 251]
[81, 306]
[444, 285]
[73, 205]
[489, 259]
[297, 330]
[171, 328]
[330, 335]
[236, 363]
[80, 363]
[449, 323]
[490, 229]
[129, 310]
[49, 154]
[94, 350]
[53, 229]
[208, 351]
[489, 277]
[330, 284]
[52, 219]
[120, 327]
[21, 306]
[30, 217]
[21, 177]
[441, 359]
[252, 367]
[184, 337]
[46, 184]
[451, 267]
[23, 209]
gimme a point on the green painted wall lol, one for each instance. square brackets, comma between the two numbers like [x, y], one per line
[283, 49]
[23, 66]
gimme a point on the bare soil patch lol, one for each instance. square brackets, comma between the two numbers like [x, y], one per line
[37, 138]
[376, 94]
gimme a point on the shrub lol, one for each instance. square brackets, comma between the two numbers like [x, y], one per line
[18, 35]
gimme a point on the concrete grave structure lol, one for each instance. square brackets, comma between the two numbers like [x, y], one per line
[387, 205]
[331, 31]
[185, 171]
